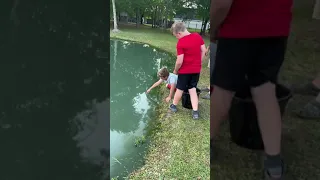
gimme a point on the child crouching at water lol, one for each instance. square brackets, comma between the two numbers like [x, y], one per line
[169, 78]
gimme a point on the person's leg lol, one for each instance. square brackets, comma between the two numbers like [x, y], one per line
[194, 98]
[206, 96]
[263, 77]
[194, 79]
[213, 50]
[227, 76]
[181, 86]
[318, 98]
[219, 107]
[311, 110]
[316, 82]
[310, 88]
[177, 97]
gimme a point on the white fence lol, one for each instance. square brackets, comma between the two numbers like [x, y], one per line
[192, 24]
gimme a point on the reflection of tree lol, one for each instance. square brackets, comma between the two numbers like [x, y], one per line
[115, 54]
[43, 71]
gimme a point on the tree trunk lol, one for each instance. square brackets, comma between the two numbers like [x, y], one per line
[115, 54]
[316, 10]
[115, 25]
[204, 26]
[137, 17]
[155, 17]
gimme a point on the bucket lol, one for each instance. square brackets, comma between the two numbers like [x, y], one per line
[244, 128]
[186, 100]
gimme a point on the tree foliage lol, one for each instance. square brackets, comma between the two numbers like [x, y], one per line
[161, 11]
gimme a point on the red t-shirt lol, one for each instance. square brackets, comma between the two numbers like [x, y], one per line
[257, 18]
[190, 47]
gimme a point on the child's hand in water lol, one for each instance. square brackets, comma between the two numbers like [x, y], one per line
[148, 91]
[168, 99]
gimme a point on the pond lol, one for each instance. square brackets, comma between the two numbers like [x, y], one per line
[54, 115]
[134, 68]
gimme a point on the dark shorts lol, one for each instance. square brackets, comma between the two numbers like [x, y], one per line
[213, 49]
[253, 62]
[187, 81]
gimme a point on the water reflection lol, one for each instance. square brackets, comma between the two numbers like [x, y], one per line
[91, 124]
[134, 70]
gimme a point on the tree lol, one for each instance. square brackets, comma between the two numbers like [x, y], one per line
[203, 11]
[115, 25]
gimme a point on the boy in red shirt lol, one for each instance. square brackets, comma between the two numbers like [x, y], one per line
[252, 38]
[190, 53]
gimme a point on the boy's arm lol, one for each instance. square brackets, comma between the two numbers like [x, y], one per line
[203, 51]
[207, 50]
[155, 85]
[179, 61]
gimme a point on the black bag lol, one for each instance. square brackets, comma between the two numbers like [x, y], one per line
[186, 101]
[244, 128]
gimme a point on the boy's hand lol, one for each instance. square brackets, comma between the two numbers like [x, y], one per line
[168, 99]
[148, 91]
[175, 72]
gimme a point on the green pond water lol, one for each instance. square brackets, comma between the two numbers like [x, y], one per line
[133, 69]
[54, 115]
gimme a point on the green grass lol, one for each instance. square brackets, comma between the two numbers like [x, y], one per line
[180, 146]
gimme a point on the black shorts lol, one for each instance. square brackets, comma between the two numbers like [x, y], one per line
[252, 62]
[213, 49]
[187, 81]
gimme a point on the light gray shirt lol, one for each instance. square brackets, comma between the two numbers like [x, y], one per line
[172, 79]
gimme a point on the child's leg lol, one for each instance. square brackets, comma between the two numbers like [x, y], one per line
[177, 97]
[194, 98]
[181, 86]
[194, 78]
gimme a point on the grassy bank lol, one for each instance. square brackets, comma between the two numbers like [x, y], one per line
[180, 146]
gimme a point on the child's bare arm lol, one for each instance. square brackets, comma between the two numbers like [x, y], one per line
[207, 50]
[155, 85]
[203, 51]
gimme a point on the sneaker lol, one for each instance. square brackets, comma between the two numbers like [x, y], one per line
[173, 108]
[274, 173]
[207, 96]
[205, 90]
[305, 89]
[195, 115]
[310, 111]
